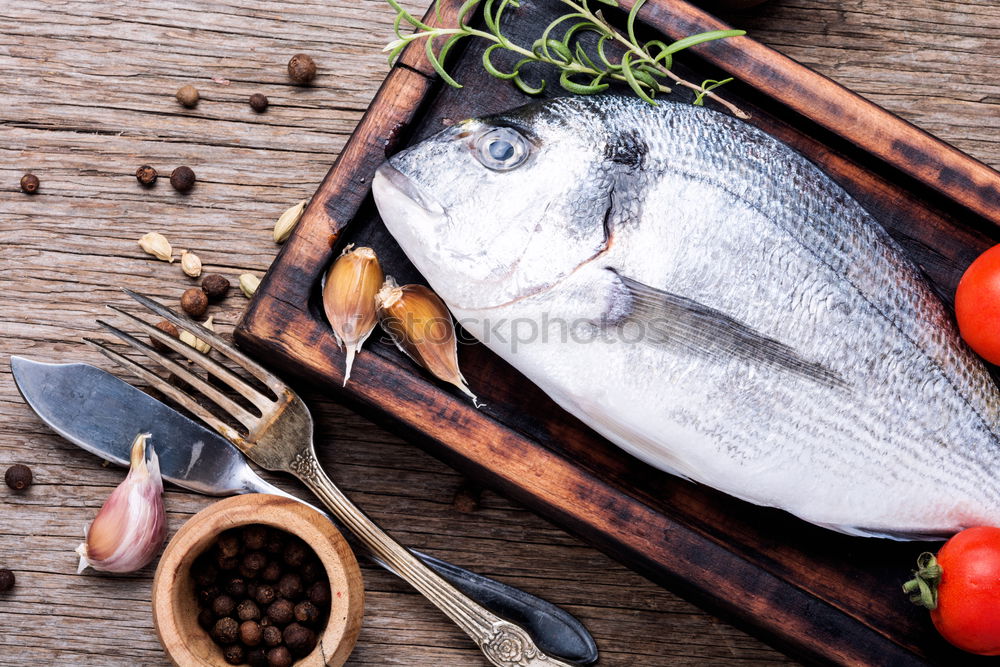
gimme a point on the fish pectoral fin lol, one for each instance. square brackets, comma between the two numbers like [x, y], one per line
[673, 320]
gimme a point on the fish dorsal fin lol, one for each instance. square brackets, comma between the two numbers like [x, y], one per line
[673, 320]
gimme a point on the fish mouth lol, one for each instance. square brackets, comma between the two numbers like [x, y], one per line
[388, 177]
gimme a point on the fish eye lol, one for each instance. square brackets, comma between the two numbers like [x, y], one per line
[502, 149]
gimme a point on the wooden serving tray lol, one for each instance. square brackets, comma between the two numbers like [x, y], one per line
[814, 593]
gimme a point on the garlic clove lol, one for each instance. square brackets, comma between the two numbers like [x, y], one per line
[349, 299]
[130, 527]
[421, 327]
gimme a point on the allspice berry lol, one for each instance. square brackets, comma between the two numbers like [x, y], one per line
[271, 635]
[216, 286]
[258, 102]
[279, 656]
[146, 175]
[265, 594]
[319, 593]
[7, 583]
[223, 605]
[281, 612]
[226, 630]
[29, 183]
[188, 96]
[194, 302]
[235, 654]
[18, 477]
[299, 639]
[169, 329]
[251, 633]
[248, 611]
[290, 586]
[301, 68]
[306, 612]
[182, 179]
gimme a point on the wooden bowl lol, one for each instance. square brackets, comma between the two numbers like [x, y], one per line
[175, 609]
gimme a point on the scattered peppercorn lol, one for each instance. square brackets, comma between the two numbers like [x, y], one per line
[258, 102]
[171, 330]
[226, 630]
[30, 183]
[301, 68]
[146, 175]
[182, 179]
[6, 580]
[215, 286]
[194, 302]
[18, 477]
[188, 96]
[234, 655]
[279, 656]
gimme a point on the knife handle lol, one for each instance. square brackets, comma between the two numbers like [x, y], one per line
[554, 630]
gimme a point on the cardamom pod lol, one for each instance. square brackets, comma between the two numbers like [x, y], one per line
[287, 221]
[194, 341]
[421, 327]
[349, 299]
[157, 245]
[190, 263]
[249, 284]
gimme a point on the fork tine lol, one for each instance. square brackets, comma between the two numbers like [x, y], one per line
[182, 398]
[237, 411]
[214, 339]
[218, 370]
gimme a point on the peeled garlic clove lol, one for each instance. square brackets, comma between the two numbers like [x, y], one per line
[129, 529]
[420, 324]
[349, 299]
[194, 341]
[190, 263]
[286, 223]
[249, 284]
[157, 245]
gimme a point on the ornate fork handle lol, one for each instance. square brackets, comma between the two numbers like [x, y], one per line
[503, 643]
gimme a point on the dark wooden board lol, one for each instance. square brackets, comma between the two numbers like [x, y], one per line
[817, 594]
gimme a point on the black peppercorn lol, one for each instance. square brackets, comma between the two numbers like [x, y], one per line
[182, 179]
[299, 639]
[18, 477]
[216, 286]
[290, 586]
[257, 658]
[236, 587]
[250, 633]
[306, 612]
[258, 102]
[301, 68]
[187, 96]
[223, 605]
[319, 594]
[271, 635]
[235, 654]
[206, 619]
[271, 572]
[247, 610]
[265, 594]
[226, 630]
[6, 580]
[146, 175]
[29, 184]
[281, 612]
[194, 302]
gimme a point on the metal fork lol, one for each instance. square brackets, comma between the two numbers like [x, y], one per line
[280, 439]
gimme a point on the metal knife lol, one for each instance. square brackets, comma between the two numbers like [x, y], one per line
[102, 414]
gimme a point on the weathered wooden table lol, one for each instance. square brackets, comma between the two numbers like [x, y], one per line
[88, 97]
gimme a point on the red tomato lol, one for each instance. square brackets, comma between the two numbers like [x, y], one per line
[968, 610]
[977, 305]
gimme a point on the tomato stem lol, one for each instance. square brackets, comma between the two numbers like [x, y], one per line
[923, 588]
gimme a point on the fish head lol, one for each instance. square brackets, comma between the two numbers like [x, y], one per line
[494, 209]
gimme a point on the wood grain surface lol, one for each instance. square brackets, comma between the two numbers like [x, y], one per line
[88, 97]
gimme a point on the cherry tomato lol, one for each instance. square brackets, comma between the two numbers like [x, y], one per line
[968, 605]
[977, 305]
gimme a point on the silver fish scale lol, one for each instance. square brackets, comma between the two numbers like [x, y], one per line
[713, 210]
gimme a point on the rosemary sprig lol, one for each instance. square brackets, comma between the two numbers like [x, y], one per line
[644, 66]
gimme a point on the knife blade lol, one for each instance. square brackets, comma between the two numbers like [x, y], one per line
[101, 414]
